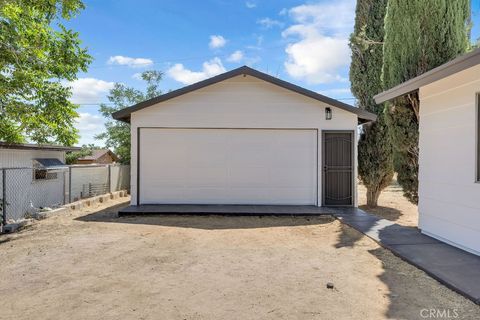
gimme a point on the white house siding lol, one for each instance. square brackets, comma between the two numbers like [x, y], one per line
[240, 102]
[13, 158]
[22, 189]
[449, 204]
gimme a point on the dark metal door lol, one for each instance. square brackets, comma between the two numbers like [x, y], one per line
[337, 168]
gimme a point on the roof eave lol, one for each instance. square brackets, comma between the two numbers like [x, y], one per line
[447, 69]
[26, 146]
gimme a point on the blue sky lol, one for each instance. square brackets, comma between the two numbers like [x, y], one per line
[304, 42]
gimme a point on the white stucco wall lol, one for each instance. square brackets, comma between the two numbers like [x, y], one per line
[449, 204]
[241, 102]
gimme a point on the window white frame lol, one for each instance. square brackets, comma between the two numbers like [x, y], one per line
[477, 141]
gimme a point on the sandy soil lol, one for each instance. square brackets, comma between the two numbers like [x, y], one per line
[392, 205]
[93, 265]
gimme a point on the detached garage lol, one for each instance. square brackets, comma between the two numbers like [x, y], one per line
[243, 137]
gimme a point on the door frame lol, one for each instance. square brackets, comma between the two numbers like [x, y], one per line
[317, 162]
[352, 134]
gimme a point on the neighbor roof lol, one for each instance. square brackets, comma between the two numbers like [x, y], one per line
[96, 154]
[31, 146]
[124, 114]
[456, 65]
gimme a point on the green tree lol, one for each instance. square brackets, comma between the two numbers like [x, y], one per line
[375, 154]
[38, 54]
[117, 134]
[419, 36]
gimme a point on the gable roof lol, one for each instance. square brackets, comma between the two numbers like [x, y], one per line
[98, 153]
[456, 65]
[363, 116]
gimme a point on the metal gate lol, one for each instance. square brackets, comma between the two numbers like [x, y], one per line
[338, 168]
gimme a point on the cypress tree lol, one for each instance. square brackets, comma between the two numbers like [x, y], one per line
[375, 154]
[419, 36]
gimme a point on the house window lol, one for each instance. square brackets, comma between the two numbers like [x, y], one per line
[44, 174]
[46, 168]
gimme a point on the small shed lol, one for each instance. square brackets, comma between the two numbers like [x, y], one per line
[243, 137]
[33, 175]
[99, 156]
[449, 143]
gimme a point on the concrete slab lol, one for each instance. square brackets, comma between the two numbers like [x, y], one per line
[454, 267]
[439, 254]
[388, 232]
[225, 210]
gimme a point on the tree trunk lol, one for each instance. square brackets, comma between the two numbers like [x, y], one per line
[372, 197]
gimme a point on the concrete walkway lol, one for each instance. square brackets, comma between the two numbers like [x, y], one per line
[455, 268]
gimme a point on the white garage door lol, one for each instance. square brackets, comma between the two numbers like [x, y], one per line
[228, 166]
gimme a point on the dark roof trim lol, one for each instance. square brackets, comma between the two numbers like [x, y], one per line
[124, 114]
[456, 65]
[31, 146]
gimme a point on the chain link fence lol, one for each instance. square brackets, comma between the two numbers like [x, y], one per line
[26, 191]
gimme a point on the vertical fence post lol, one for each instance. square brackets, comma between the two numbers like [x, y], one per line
[70, 184]
[64, 174]
[109, 181]
[4, 197]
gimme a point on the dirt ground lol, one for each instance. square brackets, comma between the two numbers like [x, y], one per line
[93, 265]
[392, 205]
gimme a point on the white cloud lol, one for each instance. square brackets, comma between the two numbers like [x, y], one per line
[270, 23]
[258, 45]
[209, 69]
[320, 48]
[237, 56]
[89, 90]
[137, 76]
[89, 125]
[131, 62]
[283, 12]
[217, 41]
[250, 5]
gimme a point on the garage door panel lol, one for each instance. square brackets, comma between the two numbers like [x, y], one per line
[206, 177]
[294, 196]
[248, 177]
[204, 195]
[202, 160]
[228, 166]
[206, 159]
[167, 182]
[150, 195]
[293, 177]
[243, 156]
